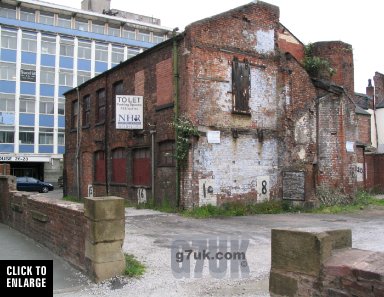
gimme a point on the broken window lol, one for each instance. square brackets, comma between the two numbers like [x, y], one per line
[240, 86]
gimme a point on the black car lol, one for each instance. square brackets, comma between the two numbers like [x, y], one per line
[26, 183]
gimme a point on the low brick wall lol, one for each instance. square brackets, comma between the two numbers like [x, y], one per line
[318, 262]
[59, 225]
[69, 229]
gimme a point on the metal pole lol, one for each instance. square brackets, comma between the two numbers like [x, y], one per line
[78, 145]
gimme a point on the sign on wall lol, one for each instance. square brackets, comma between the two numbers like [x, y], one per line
[23, 158]
[129, 112]
[262, 186]
[28, 75]
[213, 136]
[206, 192]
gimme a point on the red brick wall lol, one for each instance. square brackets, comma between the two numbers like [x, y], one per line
[164, 86]
[378, 80]
[364, 125]
[288, 43]
[5, 169]
[61, 226]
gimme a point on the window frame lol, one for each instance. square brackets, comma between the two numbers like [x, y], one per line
[119, 165]
[101, 106]
[141, 161]
[86, 111]
[74, 114]
[241, 86]
[99, 167]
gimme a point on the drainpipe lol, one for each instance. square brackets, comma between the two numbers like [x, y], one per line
[175, 71]
[78, 145]
[106, 138]
[152, 131]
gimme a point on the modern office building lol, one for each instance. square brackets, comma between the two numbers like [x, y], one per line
[47, 49]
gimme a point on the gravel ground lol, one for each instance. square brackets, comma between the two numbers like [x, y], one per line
[149, 235]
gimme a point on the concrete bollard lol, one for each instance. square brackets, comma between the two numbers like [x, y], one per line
[104, 237]
[298, 256]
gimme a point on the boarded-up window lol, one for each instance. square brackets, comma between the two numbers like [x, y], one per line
[119, 165]
[99, 167]
[166, 155]
[141, 167]
[164, 82]
[240, 86]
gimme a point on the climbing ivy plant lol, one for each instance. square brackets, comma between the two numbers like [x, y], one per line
[185, 130]
[314, 65]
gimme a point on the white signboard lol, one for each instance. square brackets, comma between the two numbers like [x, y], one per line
[213, 136]
[350, 146]
[262, 187]
[90, 191]
[23, 158]
[359, 172]
[206, 192]
[129, 112]
[141, 195]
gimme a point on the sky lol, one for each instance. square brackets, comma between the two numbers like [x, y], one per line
[355, 22]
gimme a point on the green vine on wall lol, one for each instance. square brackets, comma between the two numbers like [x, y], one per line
[185, 130]
[316, 66]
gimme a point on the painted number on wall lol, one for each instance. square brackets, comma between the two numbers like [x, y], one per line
[262, 188]
[141, 195]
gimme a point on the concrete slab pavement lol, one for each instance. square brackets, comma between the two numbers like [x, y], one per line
[16, 246]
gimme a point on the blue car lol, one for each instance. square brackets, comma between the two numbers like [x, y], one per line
[27, 183]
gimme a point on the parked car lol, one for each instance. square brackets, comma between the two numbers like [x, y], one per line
[27, 183]
[60, 181]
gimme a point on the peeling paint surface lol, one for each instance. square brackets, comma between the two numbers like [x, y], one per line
[265, 41]
[235, 165]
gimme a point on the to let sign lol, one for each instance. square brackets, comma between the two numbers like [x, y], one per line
[129, 112]
[28, 75]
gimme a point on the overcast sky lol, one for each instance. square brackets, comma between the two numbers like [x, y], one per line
[358, 23]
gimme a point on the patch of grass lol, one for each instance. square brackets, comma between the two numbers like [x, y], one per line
[72, 199]
[133, 267]
[241, 209]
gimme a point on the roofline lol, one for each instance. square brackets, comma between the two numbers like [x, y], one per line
[292, 33]
[128, 61]
[73, 10]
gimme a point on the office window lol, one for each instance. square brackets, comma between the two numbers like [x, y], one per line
[61, 137]
[7, 102]
[27, 104]
[81, 25]
[119, 165]
[141, 168]
[101, 103]
[66, 47]
[46, 136]
[84, 50]
[75, 114]
[66, 78]
[64, 21]
[97, 27]
[166, 156]
[8, 12]
[8, 39]
[7, 135]
[101, 52]
[132, 52]
[46, 18]
[129, 33]
[48, 45]
[158, 38]
[99, 162]
[86, 110]
[7, 71]
[143, 36]
[240, 86]
[27, 135]
[28, 42]
[47, 75]
[61, 107]
[114, 30]
[27, 15]
[47, 106]
[82, 76]
[117, 89]
[117, 54]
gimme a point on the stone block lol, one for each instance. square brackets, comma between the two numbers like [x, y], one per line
[282, 285]
[104, 251]
[104, 208]
[102, 271]
[304, 250]
[102, 231]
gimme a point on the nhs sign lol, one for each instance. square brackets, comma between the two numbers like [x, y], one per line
[129, 112]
